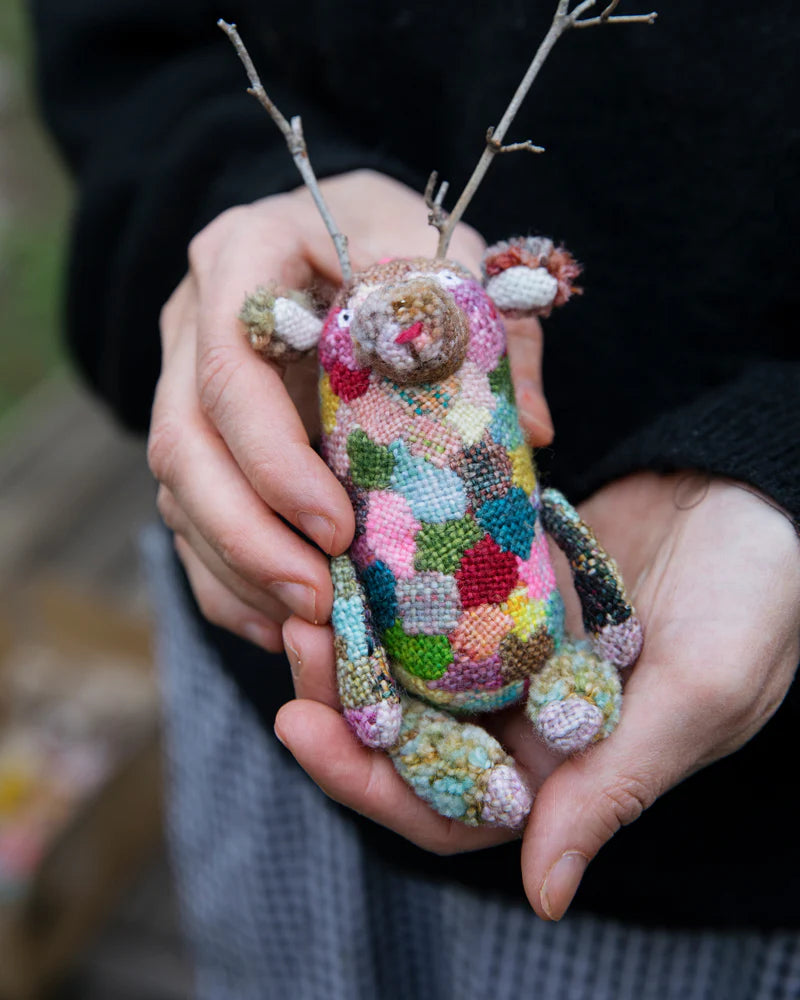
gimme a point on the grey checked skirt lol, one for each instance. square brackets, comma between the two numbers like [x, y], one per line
[279, 899]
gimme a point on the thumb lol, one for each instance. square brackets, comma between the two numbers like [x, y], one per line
[589, 797]
[525, 343]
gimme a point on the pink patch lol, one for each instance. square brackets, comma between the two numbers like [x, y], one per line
[334, 445]
[487, 340]
[536, 572]
[390, 532]
[349, 384]
[430, 439]
[475, 387]
[383, 420]
[335, 344]
[465, 674]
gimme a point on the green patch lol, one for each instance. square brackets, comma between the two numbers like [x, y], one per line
[500, 379]
[426, 656]
[441, 546]
[371, 465]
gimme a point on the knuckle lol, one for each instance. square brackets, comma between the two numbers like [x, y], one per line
[162, 448]
[235, 549]
[721, 693]
[167, 508]
[623, 803]
[204, 245]
[216, 367]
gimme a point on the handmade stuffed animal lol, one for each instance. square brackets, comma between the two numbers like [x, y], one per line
[446, 605]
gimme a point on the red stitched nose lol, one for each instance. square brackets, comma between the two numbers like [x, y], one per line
[410, 333]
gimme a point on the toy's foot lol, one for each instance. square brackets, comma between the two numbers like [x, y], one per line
[569, 726]
[575, 700]
[620, 644]
[459, 769]
[378, 725]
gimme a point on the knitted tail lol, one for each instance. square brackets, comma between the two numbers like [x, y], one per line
[458, 768]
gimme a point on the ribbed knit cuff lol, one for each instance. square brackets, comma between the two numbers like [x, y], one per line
[748, 430]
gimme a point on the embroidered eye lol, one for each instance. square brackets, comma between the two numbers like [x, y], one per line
[345, 318]
[448, 279]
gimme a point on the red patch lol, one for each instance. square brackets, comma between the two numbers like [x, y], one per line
[487, 575]
[349, 384]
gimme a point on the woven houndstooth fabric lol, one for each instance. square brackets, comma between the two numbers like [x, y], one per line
[280, 897]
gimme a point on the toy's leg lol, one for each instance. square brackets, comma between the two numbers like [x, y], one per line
[607, 613]
[367, 692]
[575, 699]
[458, 768]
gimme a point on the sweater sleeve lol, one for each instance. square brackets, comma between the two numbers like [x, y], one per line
[747, 429]
[148, 103]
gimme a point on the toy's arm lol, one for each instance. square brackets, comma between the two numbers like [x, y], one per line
[607, 613]
[369, 699]
[281, 328]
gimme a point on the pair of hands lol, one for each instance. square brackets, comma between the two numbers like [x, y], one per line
[713, 570]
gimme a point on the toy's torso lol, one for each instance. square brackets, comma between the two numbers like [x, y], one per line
[449, 545]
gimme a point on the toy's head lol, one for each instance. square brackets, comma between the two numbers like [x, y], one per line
[416, 321]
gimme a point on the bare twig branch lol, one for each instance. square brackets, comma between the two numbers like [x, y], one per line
[293, 134]
[563, 20]
[512, 147]
[437, 217]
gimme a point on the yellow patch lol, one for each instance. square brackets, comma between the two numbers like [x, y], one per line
[328, 404]
[526, 614]
[469, 420]
[522, 473]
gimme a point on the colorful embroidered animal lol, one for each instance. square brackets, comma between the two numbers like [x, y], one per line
[446, 605]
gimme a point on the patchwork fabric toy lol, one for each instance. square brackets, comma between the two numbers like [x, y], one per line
[446, 605]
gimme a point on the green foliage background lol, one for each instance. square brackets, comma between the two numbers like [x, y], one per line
[34, 210]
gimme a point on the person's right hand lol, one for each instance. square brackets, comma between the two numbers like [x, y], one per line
[227, 444]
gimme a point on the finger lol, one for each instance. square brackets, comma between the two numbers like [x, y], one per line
[175, 518]
[366, 781]
[388, 219]
[309, 649]
[188, 457]
[525, 344]
[245, 399]
[674, 716]
[223, 608]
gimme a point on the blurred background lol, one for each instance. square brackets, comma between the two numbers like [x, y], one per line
[86, 902]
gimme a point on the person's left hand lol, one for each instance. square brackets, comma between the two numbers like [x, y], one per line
[714, 572]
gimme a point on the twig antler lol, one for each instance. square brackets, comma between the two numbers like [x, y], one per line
[563, 20]
[293, 134]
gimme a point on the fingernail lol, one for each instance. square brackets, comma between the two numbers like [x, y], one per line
[295, 663]
[320, 528]
[298, 597]
[279, 738]
[257, 634]
[561, 883]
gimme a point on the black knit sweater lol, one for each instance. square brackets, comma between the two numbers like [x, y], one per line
[671, 172]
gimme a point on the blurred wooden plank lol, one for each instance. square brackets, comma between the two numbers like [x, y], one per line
[74, 494]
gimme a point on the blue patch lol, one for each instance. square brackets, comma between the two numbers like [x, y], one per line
[504, 428]
[379, 584]
[433, 494]
[510, 520]
[347, 618]
[554, 612]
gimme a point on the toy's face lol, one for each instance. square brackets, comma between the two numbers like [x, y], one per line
[403, 320]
